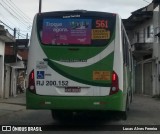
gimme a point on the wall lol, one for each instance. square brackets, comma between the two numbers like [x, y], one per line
[7, 81]
[156, 51]
[2, 48]
[156, 30]
[138, 79]
[14, 82]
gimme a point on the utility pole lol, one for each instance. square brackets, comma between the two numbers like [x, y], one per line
[158, 65]
[14, 32]
[40, 6]
[27, 36]
[157, 2]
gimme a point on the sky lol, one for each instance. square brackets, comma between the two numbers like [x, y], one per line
[31, 7]
[123, 7]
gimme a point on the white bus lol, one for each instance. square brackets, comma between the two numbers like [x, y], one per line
[79, 61]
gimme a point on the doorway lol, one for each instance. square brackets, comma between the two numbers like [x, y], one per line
[147, 75]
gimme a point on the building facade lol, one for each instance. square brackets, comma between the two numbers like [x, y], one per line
[143, 28]
[4, 37]
[16, 55]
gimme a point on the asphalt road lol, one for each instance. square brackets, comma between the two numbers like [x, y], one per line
[144, 110]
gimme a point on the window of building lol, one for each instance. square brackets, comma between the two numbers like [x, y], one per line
[148, 32]
[144, 35]
[137, 35]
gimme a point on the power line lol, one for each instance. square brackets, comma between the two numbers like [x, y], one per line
[146, 1]
[6, 25]
[7, 20]
[18, 10]
[15, 17]
[15, 9]
[17, 14]
[18, 33]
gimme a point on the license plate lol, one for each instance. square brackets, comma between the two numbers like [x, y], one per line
[73, 89]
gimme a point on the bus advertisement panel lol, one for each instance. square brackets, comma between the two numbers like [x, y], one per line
[66, 31]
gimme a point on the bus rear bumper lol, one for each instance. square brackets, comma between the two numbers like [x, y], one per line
[112, 102]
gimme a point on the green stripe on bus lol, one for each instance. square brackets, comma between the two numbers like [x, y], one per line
[81, 52]
[85, 74]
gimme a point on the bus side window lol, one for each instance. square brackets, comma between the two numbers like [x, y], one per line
[124, 48]
[126, 51]
[130, 60]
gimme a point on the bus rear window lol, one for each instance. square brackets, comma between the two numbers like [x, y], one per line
[87, 31]
[66, 31]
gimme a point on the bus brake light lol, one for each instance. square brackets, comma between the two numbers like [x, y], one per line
[32, 75]
[115, 85]
[31, 85]
[113, 77]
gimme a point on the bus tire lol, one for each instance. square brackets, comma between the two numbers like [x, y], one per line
[127, 104]
[131, 98]
[124, 113]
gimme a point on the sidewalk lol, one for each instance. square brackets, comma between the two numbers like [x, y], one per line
[12, 104]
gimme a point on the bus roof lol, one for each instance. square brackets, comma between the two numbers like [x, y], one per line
[68, 12]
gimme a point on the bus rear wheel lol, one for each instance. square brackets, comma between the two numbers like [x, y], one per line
[124, 113]
[61, 115]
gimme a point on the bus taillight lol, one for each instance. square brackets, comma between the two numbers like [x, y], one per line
[31, 85]
[115, 85]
